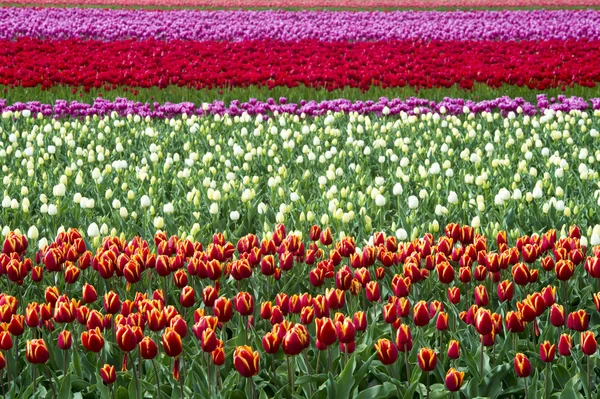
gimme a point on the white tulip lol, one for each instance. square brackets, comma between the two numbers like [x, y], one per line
[234, 215]
[33, 233]
[413, 202]
[145, 201]
[93, 230]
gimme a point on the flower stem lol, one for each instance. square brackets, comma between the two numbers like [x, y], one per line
[427, 385]
[589, 359]
[547, 393]
[157, 382]
[481, 359]
[50, 380]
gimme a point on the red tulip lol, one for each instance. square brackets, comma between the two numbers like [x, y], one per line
[271, 342]
[564, 345]
[506, 291]
[404, 341]
[588, 343]
[386, 351]
[483, 321]
[246, 361]
[108, 374]
[244, 303]
[65, 340]
[564, 269]
[454, 379]
[427, 359]
[522, 365]
[421, 315]
[326, 331]
[37, 351]
[171, 341]
[92, 340]
[547, 352]
[148, 348]
[453, 349]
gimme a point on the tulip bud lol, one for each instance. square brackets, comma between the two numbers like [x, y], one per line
[171, 341]
[246, 361]
[37, 351]
[244, 303]
[547, 352]
[65, 340]
[427, 359]
[564, 345]
[522, 365]
[326, 331]
[404, 341]
[453, 349]
[271, 342]
[92, 340]
[454, 380]
[386, 351]
[588, 343]
[148, 348]
[483, 321]
[108, 374]
[421, 315]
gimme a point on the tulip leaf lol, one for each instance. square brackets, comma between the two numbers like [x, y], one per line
[65, 388]
[490, 386]
[410, 393]
[571, 390]
[331, 387]
[533, 387]
[383, 391]
[346, 380]
[102, 389]
[122, 393]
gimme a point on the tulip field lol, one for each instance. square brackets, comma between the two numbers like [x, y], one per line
[299, 199]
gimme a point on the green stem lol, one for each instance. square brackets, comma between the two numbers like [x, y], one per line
[157, 382]
[50, 380]
[547, 393]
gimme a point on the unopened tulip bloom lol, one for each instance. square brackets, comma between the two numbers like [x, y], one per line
[427, 359]
[454, 379]
[547, 352]
[522, 365]
[37, 351]
[588, 343]
[148, 348]
[386, 351]
[565, 344]
[453, 349]
[246, 361]
[108, 374]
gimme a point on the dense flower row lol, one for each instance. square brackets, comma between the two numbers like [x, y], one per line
[65, 23]
[302, 4]
[396, 106]
[473, 313]
[410, 173]
[31, 62]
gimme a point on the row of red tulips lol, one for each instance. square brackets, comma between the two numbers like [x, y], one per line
[422, 287]
[541, 65]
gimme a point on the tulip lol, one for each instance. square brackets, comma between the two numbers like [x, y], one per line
[126, 338]
[547, 352]
[520, 273]
[386, 351]
[454, 380]
[271, 342]
[360, 321]
[148, 348]
[373, 292]
[404, 340]
[307, 315]
[246, 361]
[564, 345]
[445, 273]
[223, 309]
[208, 340]
[557, 315]
[244, 303]
[441, 323]
[578, 320]
[345, 330]
[483, 321]
[65, 340]
[481, 296]
[564, 269]
[108, 374]
[506, 291]
[454, 295]
[187, 298]
[294, 341]
[37, 351]
[89, 294]
[588, 343]
[92, 340]
[421, 315]
[112, 303]
[427, 359]
[326, 331]
[453, 349]
[171, 341]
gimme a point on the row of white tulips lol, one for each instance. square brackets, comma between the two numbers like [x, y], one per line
[404, 175]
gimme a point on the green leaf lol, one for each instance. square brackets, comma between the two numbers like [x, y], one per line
[383, 391]
[331, 387]
[346, 380]
[491, 385]
[571, 390]
[65, 388]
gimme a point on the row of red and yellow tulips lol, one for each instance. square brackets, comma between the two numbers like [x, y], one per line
[326, 293]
